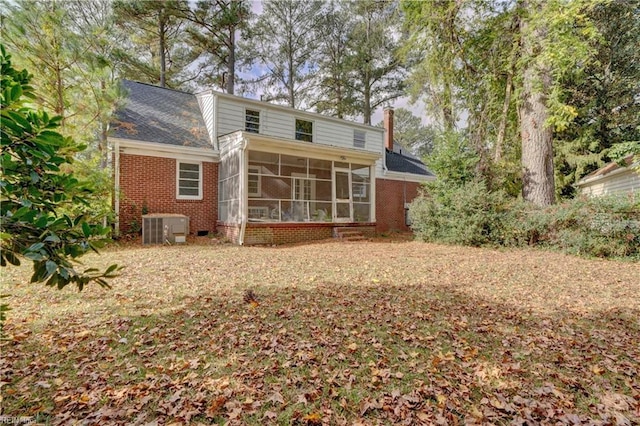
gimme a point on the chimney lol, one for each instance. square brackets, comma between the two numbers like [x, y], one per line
[388, 127]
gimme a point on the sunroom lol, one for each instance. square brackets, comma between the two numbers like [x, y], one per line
[275, 190]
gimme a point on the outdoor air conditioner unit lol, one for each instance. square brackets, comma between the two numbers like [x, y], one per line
[159, 228]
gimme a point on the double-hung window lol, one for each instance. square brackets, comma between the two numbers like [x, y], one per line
[252, 121]
[254, 182]
[189, 181]
[304, 130]
[359, 138]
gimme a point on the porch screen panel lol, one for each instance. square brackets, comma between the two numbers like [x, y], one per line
[229, 187]
[291, 188]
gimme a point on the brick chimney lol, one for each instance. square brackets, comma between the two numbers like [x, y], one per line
[388, 127]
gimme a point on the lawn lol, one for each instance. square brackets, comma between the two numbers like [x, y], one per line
[382, 332]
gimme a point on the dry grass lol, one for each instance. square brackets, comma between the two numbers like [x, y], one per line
[377, 332]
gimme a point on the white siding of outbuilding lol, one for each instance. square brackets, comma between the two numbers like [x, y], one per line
[619, 181]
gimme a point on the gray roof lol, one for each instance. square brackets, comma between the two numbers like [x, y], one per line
[401, 160]
[156, 114]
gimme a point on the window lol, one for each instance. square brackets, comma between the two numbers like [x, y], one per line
[359, 138]
[304, 130]
[189, 181]
[258, 212]
[254, 187]
[252, 121]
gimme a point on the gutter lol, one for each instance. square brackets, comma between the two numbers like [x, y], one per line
[116, 187]
[624, 169]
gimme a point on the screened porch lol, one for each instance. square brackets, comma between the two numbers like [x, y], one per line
[264, 186]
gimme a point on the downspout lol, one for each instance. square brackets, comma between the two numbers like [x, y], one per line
[243, 184]
[116, 187]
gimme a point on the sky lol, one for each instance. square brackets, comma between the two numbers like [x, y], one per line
[418, 109]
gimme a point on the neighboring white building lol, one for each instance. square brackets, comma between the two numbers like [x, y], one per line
[612, 179]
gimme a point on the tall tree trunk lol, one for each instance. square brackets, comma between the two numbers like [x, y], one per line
[367, 101]
[502, 126]
[231, 61]
[447, 108]
[163, 65]
[537, 138]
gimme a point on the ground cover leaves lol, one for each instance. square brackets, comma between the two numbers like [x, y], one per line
[377, 332]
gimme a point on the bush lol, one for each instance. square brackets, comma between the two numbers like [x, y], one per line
[468, 214]
[471, 215]
[600, 226]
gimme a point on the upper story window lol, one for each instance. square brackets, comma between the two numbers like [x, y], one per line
[359, 138]
[252, 121]
[189, 181]
[304, 130]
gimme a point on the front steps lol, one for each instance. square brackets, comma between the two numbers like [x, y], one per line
[348, 234]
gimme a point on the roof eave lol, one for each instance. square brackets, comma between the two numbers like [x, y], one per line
[165, 148]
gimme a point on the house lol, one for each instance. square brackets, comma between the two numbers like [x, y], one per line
[612, 178]
[256, 172]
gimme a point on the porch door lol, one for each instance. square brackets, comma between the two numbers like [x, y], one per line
[303, 191]
[343, 210]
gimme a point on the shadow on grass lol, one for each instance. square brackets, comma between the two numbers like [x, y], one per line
[334, 353]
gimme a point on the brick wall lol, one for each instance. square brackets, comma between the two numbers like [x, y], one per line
[230, 232]
[286, 233]
[391, 195]
[151, 181]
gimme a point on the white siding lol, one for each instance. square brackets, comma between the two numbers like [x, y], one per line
[205, 102]
[279, 122]
[626, 181]
[230, 116]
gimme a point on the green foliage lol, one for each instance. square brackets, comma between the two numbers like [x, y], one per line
[157, 50]
[468, 214]
[604, 96]
[452, 159]
[213, 35]
[35, 191]
[599, 226]
[284, 41]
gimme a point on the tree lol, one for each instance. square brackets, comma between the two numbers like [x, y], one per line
[409, 132]
[491, 59]
[537, 137]
[213, 33]
[606, 97]
[34, 191]
[335, 94]
[98, 71]
[376, 68]
[70, 46]
[40, 31]
[157, 52]
[285, 43]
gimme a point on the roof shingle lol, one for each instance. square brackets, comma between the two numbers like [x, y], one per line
[156, 114]
[401, 160]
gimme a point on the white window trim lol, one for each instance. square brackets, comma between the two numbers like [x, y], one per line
[304, 177]
[188, 197]
[313, 127]
[255, 172]
[259, 120]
